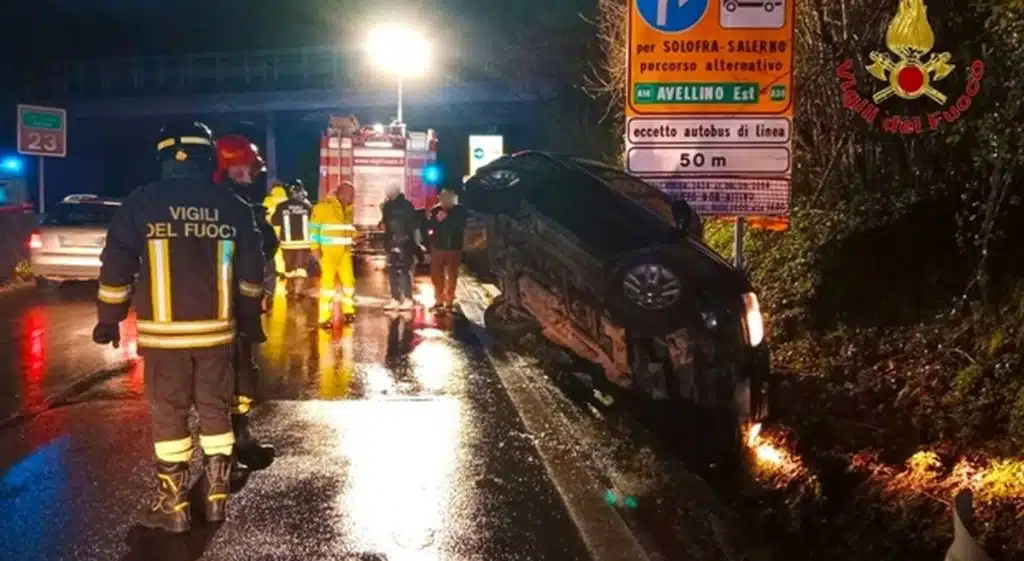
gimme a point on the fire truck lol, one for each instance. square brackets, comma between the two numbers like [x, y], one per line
[374, 158]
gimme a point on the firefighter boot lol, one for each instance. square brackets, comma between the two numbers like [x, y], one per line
[249, 452]
[169, 510]
[216, 486]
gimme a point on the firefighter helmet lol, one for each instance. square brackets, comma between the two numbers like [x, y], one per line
[185, 140]
[237, 150]
[297, 189]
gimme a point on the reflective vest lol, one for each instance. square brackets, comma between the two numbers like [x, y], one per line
[292, 218]
[331, 224]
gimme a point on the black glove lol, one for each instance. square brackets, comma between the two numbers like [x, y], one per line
[107, 334]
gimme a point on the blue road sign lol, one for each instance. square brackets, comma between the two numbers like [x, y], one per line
[672, 16]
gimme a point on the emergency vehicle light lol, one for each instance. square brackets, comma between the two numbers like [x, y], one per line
[12, 164]
[432, 174]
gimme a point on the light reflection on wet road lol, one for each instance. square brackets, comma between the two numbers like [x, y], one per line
[396, 441]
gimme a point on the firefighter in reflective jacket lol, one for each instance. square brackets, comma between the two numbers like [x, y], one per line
[238, 164]
[291, 219]
[276, 196]
[193, 246]
[333, 236]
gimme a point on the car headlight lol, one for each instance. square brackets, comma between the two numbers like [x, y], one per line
[753, 321]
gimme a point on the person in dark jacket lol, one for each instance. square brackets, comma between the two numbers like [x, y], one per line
[446, 228]
[196, 253]
[292, 219]
[402, 242]
[238, 164]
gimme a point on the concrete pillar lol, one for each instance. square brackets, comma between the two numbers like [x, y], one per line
[270, 150]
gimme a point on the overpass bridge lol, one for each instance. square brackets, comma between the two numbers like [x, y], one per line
[275, 90]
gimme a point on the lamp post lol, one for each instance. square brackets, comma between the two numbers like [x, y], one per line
[405, 53]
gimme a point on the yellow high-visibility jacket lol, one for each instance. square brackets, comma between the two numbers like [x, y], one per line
[276, 196]
[331, 224]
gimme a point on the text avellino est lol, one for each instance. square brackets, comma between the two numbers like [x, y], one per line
[191, 222]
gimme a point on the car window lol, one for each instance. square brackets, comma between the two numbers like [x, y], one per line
[636, 190]
[81, 214]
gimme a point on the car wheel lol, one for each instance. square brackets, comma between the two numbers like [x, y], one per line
[506, 324]
[769, 6]
[43, 283]
[730, 6]
[650, 296]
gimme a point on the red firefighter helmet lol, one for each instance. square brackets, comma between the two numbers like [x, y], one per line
[237, 150]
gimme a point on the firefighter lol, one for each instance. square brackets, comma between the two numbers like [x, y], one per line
[333, 236]
[193, 247]
[238, 164]
[276, 196]
[291, 219]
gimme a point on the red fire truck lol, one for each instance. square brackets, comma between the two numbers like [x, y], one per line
[374, 158]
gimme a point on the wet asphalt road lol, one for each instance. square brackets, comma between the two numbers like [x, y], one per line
[396, 440]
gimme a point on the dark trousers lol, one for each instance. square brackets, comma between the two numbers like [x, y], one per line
[247, 374]
[178, 379]
[444, 273]
[400, 274]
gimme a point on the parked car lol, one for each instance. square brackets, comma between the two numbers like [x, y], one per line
[766, 5]
[70, 238]
[605, 265]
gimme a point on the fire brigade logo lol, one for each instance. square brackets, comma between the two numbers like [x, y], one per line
[180, 155]
[910, 72]
[910, 38]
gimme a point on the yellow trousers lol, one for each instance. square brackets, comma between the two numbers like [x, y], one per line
[279, 258]
[336, 262]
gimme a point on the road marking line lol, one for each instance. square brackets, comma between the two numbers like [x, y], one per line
[604, 532]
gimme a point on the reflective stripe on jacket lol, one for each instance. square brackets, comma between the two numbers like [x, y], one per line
[331, 224]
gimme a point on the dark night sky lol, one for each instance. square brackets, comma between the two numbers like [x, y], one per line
[118, 28]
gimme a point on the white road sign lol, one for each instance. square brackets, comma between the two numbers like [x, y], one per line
[484, 149]
[717, 196]
[721, 130]
[700, 159]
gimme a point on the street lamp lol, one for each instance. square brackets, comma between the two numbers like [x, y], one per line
[399, 51]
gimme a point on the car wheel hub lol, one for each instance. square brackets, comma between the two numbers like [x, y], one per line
[652, 287]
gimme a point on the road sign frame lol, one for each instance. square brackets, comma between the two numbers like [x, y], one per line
[59, 136]
[639, 32]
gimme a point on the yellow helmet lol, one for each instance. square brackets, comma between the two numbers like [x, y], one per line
[278, 192]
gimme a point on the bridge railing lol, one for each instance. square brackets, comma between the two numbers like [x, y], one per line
[267, 70]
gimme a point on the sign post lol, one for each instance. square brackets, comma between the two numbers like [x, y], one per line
[42, 132]
[484, 149]
[709, 112]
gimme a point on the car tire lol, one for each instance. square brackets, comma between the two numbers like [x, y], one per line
[653, 320]
[43, 283]
[508, 326]
[730, 6]
[769, 6]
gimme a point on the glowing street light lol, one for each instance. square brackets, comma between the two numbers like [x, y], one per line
[399, 51]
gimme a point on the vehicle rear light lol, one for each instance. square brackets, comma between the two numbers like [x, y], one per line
[35, 241]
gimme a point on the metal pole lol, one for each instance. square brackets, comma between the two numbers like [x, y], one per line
[400, 98]
[737, 241]
[42, 186]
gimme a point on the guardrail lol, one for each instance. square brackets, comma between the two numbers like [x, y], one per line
[308, 68]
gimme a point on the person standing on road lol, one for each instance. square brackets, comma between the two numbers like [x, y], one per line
[446, 226]
[292, 219]
[238, 165]
[276, 196]
[193, 246]
[333, 237]
[402, 242]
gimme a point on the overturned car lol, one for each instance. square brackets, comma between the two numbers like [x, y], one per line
[609, 268]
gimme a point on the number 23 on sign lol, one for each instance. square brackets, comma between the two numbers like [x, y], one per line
[41, 141]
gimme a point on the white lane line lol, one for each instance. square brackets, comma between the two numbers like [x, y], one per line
[604, 532]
